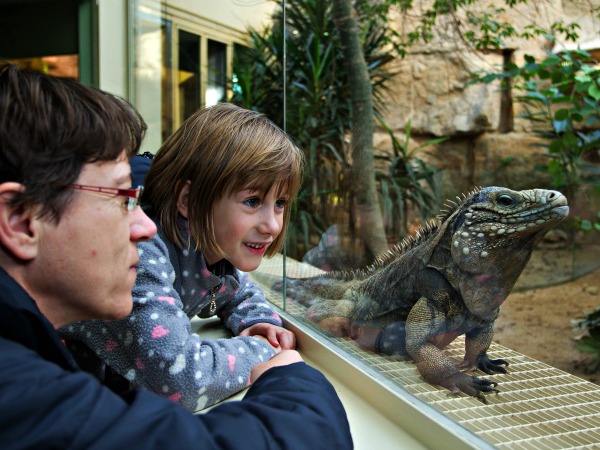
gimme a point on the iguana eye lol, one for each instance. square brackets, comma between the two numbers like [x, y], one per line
[505, 200]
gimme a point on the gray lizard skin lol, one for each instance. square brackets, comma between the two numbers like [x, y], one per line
[449, 280]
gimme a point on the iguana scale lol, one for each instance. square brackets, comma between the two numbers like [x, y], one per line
[447, 281]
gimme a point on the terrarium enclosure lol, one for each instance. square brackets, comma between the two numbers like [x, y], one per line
[453, 113]
[403, 115]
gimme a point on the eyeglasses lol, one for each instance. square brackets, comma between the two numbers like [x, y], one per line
[132, 196]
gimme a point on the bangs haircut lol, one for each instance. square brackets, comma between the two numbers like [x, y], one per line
[221, 150]
[51, 127]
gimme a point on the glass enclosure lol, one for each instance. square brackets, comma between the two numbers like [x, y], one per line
[417, 235]
[432, 301]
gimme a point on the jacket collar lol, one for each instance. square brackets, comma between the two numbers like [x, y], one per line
[21, 321]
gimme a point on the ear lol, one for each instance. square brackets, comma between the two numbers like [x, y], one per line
[183, 199]
[18, 226]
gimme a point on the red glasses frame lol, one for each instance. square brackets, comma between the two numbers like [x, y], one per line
[133, 196]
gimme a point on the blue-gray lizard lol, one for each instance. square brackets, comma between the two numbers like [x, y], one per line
[447, 281]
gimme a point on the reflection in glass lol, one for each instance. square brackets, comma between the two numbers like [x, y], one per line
[57, 65]
[188, 74]
[217, 73]
[152, 91]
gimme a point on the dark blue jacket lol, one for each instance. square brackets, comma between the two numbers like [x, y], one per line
[47, 402]
[140, 165]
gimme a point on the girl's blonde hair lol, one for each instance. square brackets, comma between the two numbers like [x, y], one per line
[221, 150]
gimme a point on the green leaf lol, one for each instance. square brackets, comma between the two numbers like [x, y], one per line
[594, 91]
[587, 345]
[551, 61]
[543, 74]
[559, 98]
[583, 78]
[555, 146]
[576, 117]
[582, 86]
[561, 114]
[570, 140]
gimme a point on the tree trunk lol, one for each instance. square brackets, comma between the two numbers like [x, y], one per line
[368, 212]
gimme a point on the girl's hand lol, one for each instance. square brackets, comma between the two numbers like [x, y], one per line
[278, 337]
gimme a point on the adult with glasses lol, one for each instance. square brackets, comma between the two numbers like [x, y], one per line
[69, 229]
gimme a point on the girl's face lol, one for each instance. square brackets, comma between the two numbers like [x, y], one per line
[246, 223]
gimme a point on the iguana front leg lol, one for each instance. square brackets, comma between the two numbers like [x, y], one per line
[333, 316]
[423, 326]
[477, 342]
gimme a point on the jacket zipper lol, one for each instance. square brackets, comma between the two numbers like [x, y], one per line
[213, 300]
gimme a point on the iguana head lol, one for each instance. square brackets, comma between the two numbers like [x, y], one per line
[496, 227]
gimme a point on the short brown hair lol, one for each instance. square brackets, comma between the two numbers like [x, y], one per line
[50, 127]
[221, 150]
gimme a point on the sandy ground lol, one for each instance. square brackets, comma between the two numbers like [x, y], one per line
[538, 322]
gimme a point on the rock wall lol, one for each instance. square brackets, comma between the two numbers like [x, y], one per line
[489, 143]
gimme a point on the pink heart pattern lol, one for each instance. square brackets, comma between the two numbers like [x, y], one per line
[159, 331]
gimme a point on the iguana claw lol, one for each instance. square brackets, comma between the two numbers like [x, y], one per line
[491, 366]
[481, 396]
[489, 386]
[485, 385]
[471, 385]
[453, 392]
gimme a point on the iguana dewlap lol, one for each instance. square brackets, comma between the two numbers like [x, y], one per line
[448, 281]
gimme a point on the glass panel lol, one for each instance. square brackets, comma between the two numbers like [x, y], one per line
[334, 228]
[151, 71]
[435, 297]
[365, 313]
[188, 74]
[217, 73]
[167, 82]
[242, 61]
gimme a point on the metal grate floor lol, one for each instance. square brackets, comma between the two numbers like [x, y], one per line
[539, 406]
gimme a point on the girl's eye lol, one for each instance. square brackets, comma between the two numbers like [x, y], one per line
[253, 202]
[280, 203]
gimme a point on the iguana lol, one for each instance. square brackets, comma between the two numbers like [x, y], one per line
[447, 281]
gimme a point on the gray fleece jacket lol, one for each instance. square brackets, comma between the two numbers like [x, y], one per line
[154, 346]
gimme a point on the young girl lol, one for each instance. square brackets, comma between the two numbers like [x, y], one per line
[219, 190]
